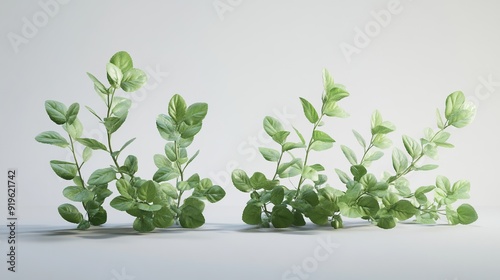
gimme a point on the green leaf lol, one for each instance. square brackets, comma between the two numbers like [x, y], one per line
[98, 218]
[122, 60]
[122, 203]
[195, 113]
[83, 225]
[112, 124]
[70, 213]
[454, 103]
[52, 138]
[147, 191]
[161, 161]
[310, 173]
[280, 137]
[78, 194]
[332, 109]
[102, 176]
[322, 137]
[165, 174]
[378, 126]
[163, 218]
[169, 190]
[125, 189]
[290, 146]
[403, 210]
[63, 169]
[281, 217]
[399, 161]
[56, 111]
[177, 108]
[189, 131]
[359, 138]
[461, 189]
[252, 215]
[277, 195]
[191, 217]
[170, 151]
[439, 119]
[92, 144]
[298, 219]
[72, 113]
[98, 86]
[272, 126]
[311, 197]
[241, 181]
[167, 128]
[373, 156]
[121, 106]
[132, 165]
[427, 167]
[133, 80]
[86, 154]
[328, 82]
[381, 141]
[144, 224]
[386, 222]
[115, 75]
[302, 140]
[336, 93]
[358, 171]
[215, 193]
[344, 178]
[270, 154]
[424, 189]
[412, 146]
[369, 205]
[431, 151]
[290, 169]
[259, 181]
[309, 111]
[466, 214]
[349, 154]
[443, 183]
[75, 129]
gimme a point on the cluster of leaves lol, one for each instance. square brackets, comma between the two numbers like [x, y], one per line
[150, 201]
[382, 201]
[157, 203]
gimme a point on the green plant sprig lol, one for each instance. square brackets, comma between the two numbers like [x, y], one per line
[149, 201]
[383, 202]
[290, 205]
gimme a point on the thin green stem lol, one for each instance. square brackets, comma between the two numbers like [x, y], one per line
[109, 104]
[78, 168]
[306, 158]
[367, 149]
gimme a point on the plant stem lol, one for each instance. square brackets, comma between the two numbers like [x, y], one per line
[308, 149]
[78, 168]
[367, 149]
[109, 104]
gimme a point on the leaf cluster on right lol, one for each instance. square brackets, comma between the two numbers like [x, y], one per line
[383, 201]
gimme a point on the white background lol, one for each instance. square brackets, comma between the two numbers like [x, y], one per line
[253, 59]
